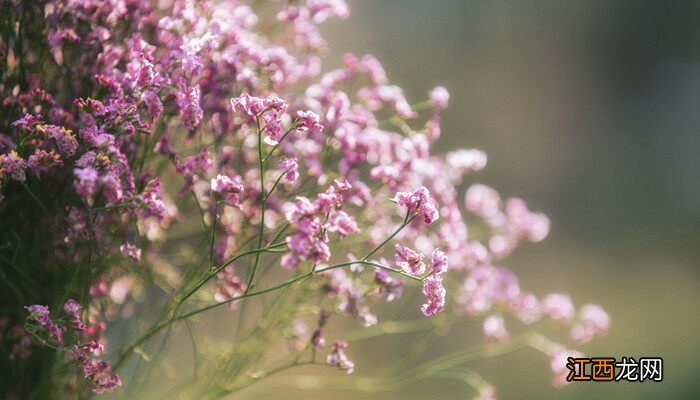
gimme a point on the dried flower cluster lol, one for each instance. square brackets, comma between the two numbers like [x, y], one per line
[180, 152]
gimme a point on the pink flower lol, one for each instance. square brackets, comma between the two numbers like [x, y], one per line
[559, 307]
[464, 160]
[592, 321]
[487, 286]
[558, 361]
[438, 262]
[308, 121]
[254, 106]
[527, 308]
[339, 359]
[434, 293]
[409, 261]
[131, 251]
[228, 286]
[228, 188]
[482, 201]
[418, 201]
[291, 169]
[495, 328]
[342, 223]
[439, 98]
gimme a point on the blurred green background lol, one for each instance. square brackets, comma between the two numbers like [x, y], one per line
[590, 111]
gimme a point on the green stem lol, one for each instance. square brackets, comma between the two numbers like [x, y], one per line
[213, 233]
[36, 199]
[294, 125]
[373, 264]
[407, 220]
[263, 197]
[274, 186]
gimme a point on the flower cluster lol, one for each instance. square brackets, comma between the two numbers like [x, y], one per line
[142, 147]
[313, 221]
[87, 344]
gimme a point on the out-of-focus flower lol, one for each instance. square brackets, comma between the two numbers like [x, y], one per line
[339, 359]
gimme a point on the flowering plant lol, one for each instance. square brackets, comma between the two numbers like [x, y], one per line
[159, 161]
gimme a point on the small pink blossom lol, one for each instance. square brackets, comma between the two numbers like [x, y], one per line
[438, 262]
[434, 293]
[495, 328]
[339, 359]
[592, 321]
[439, 98]
[254, 106]
[418, 201]
[409, 261]
[558, 361]
[308, 121]
[228, 188]
[558, 306]
[228, 286]
[291, 170]
[131, 251]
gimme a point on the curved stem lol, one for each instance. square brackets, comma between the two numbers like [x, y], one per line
[373, 264]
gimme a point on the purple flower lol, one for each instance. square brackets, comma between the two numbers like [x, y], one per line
[192, 168]
[98, 372]
[42, 161]
[188, 99]
[13, 166]
[72, 308]
[86, 182]
[64, 138]
[153, 105]
[40, 314]
[29, 121]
